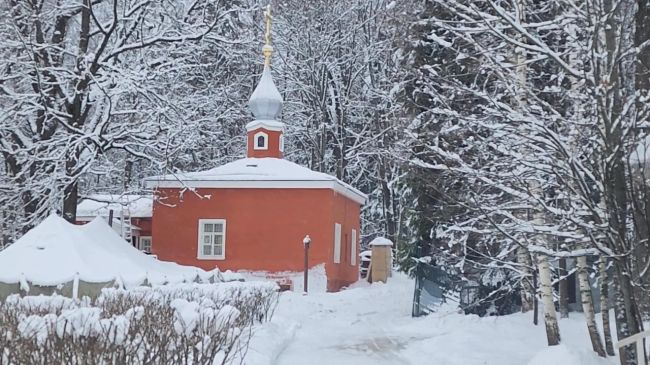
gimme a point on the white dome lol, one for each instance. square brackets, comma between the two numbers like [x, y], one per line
[266, 101]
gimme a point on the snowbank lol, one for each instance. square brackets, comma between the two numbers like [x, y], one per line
[57, 253]
[564, 355]
[317, 278]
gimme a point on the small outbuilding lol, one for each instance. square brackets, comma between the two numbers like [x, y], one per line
[381, 261]
[129, 215]
[76, 260]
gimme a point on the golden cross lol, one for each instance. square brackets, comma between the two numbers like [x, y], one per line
[267, 50]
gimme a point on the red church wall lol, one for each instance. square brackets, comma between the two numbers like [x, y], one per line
[273, 149]
[347, 213]
[264, 229]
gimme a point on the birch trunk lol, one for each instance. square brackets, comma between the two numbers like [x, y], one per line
[564, 290]
[588, 307]
[527, 292]
[546, 289]
[523, 255]
[604, 306]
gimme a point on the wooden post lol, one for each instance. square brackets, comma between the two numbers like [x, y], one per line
[110, 218]
[306, 241]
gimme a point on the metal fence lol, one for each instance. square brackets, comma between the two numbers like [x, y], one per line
[433, 286]
[431, 283]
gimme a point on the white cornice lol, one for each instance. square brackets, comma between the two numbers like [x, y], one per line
[342, 189]
[271, 125]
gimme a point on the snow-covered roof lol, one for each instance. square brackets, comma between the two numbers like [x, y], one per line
[55, 251]
[272, 173]
[381, 241]
[99, 205]
[266, 101]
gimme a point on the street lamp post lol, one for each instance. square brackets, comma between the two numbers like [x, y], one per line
[306, 241]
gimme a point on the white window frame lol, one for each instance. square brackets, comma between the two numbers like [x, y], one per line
[141, 245]
[201, 234]
[337, 243]
[266, 141]
[353, 248]
[281, 142]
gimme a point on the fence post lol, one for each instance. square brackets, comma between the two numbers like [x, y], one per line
[640, 349]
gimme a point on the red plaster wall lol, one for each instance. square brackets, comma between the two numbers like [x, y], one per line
[273, 144]
[347, 213]
[264, 229]
[144, 224]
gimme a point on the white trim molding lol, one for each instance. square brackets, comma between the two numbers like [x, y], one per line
[213, 236]
[353, 248]
[270, 125]
[343, 189]
[256, 136]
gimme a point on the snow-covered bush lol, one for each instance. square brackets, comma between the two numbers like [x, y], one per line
[175, 324]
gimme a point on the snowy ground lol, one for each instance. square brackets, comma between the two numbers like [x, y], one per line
[372, 325]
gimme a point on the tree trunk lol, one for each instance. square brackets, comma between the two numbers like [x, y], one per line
[604, 306]
[527, 291]
[564, 289]
[71, 194]
[588, 306]
[546, 289]
[535, 301]
[627, 316]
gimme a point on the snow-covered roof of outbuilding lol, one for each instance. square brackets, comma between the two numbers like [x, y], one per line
[55, 251]
[272, 173]
[381, 241]
[99, 205]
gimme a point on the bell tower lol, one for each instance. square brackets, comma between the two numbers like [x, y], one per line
[265, 134]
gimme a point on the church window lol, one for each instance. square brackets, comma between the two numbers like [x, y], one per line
[212, 239]
[337, 243]
[261, 141]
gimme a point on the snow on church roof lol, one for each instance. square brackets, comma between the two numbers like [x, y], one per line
[266, 101]
[257, 173]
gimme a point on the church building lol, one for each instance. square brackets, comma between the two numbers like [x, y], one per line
[253, 213]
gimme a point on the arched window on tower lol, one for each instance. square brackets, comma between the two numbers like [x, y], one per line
[260, 141]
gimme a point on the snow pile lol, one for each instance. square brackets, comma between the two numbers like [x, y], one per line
[317, 278]
[177, 324]
[56, 252]
[564, 355]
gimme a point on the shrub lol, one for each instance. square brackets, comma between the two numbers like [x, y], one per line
[174, 324]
